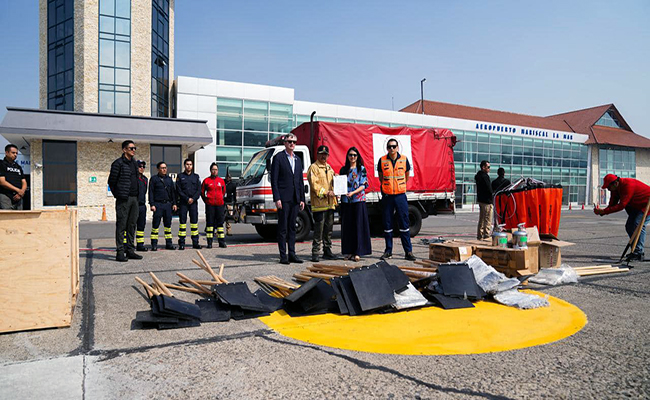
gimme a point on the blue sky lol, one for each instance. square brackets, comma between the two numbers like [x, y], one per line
[536, 58]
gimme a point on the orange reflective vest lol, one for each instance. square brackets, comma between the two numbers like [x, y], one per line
[393, 177]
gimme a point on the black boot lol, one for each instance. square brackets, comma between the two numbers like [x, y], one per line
[140, 247]
[181, 244]
[209, 246]
[154, 245]
[222, 244]
[169, 245]
[121, 257]
[195, 243]
[328, 255]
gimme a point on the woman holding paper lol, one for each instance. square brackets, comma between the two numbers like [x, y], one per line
[355, 230]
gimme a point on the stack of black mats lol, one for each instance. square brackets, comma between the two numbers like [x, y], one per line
[230, 300]
[169, 313]
[242, 304]
[368, 289]
[456, 287]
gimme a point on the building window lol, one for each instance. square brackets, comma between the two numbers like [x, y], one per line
[160, 59]
[60, 55]
[171, 155]
[609, 119]
[620, 161]
[115, 56]
[59, 173]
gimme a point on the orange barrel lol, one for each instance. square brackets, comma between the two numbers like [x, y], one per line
[534, 205]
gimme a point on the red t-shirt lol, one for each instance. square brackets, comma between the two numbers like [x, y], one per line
[631, 193]
[213, 191]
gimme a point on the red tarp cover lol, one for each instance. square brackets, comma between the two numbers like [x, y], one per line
[432, 157]
[541, 207]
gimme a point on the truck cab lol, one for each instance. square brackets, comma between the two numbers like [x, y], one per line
[255, 197]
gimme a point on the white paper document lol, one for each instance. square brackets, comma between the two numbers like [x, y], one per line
[340, 185]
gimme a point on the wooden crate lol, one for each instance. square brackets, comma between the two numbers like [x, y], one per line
[512, 262]
[450, 251]
[39, 265]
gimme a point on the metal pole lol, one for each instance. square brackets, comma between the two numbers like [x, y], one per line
[422, 94]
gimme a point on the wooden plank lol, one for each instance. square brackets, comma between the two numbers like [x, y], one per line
[603, 272]
[593, 267]
[37, 267]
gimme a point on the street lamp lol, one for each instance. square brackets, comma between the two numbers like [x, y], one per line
[422, 94]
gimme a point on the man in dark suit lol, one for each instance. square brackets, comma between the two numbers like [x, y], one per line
[289, 197]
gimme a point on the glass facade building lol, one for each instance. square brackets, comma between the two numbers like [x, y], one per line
[244, 127]
[115, 56]
[551, 161]
[160, 58]
[60, 55]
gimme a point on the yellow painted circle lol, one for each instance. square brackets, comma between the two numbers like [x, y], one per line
[488, 327]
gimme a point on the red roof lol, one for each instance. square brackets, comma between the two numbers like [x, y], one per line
[616, 137]
[579, 121]
[484, 114]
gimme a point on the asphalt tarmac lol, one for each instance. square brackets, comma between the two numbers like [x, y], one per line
[102, 355]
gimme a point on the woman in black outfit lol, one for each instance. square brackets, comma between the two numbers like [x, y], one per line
[355, 230]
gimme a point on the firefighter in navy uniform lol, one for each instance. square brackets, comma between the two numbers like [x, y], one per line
[188, 187]
[142, 207]
[162, 199]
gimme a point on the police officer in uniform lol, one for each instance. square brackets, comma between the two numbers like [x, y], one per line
[142, 206]
[162, 199]
[188, 187]
[13, 184]
[394, 171]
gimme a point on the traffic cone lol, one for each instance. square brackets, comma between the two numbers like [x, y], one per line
[569, 206]
[104, 213]
[583, 206]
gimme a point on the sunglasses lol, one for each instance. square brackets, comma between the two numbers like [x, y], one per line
[391, 146]
[290, 141]
[131, 148]
[352, 155]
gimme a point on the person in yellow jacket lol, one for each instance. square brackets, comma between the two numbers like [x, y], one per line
[394, 172]
[323, 201]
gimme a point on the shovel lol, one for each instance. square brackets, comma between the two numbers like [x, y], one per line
[637, 232]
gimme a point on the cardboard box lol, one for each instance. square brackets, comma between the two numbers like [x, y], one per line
[450, 251]
[550, 255]
[512, 262]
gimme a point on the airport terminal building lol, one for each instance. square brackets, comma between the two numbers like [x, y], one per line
[107, 74]
[574, 149]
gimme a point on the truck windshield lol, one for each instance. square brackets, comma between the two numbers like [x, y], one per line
[256, 166]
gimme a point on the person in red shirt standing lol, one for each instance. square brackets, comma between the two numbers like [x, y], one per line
[631, 195]
[213, 191]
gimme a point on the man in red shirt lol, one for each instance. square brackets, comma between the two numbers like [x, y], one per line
[213, 190]
[631, 195]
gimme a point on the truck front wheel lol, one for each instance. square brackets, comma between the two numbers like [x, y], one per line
[415, 220]
[267, 232]
[303, 226]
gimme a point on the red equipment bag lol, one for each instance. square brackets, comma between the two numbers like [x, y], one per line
[535, 205]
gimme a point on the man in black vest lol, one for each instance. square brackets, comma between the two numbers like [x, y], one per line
[143, 183]
[162, 199]
[13, 184]
[123, 182]
[289, 197]
[188, 187]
